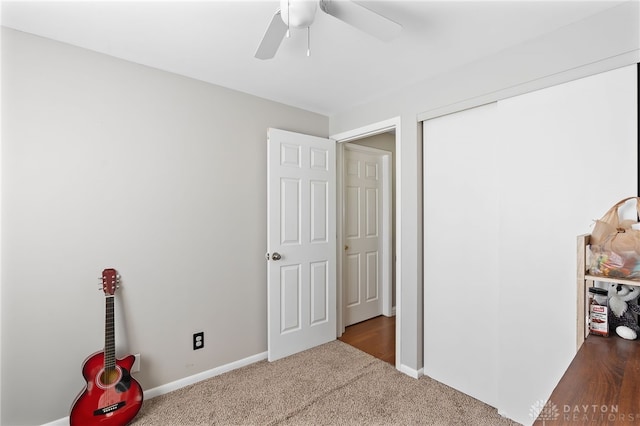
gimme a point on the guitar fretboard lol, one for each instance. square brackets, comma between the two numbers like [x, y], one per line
[109, 335]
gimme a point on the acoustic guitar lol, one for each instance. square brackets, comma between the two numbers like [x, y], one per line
[111, 396]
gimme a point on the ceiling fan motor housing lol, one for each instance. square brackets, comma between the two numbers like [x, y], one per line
[298, 13]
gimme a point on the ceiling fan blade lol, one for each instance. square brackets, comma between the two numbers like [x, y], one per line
[272, 38]
[362, 18]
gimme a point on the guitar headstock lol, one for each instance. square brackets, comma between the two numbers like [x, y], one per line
[110, 281]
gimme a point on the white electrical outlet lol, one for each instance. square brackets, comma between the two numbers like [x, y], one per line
[136, 364]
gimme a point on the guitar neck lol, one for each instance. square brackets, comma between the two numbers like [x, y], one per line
[109, 335]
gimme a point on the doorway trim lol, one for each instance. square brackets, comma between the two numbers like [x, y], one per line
[348, 136]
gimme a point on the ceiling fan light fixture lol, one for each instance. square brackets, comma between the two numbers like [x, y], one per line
[298, 13]
[301, 13]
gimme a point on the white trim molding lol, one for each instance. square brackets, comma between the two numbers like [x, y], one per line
[371, 130]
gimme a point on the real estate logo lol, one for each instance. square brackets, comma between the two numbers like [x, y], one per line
[544, 411]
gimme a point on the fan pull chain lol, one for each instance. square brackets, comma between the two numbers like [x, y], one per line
[309, 41]
[288, 15]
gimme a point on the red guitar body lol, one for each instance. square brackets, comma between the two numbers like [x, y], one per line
[111, 396]
[114, 403]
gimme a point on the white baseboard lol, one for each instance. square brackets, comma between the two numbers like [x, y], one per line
[416, 374]
[180, 383]
[60, 422]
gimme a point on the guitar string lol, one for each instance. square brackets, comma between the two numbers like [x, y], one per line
[108, 350]
[111, 351]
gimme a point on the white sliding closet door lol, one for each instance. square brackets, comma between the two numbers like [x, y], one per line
[461, 251]
[507, 189]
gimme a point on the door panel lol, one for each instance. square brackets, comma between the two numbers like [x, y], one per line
[290, 293]
[319, 206]
[352, 279]
[372, 208]
[319, 289]
[290, 197]
[301, 229]
[372, 277]
[352, 212]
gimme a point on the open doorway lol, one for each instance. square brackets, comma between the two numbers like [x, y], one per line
[379, 334]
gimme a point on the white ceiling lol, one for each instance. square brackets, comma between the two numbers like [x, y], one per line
[215, 41]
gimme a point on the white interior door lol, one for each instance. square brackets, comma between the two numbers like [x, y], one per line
[301, 239]
[363, 250]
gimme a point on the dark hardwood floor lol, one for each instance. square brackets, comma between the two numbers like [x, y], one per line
[376, 337]
[600, 387]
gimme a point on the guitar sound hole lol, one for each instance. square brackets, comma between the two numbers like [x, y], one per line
[109, 377]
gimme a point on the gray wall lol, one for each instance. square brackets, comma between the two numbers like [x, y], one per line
[109, 164]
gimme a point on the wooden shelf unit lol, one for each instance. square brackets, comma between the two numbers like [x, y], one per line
[584, 282]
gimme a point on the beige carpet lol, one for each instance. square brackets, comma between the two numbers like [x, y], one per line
[333, 384]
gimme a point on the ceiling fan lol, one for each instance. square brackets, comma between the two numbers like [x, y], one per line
[301, 13]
